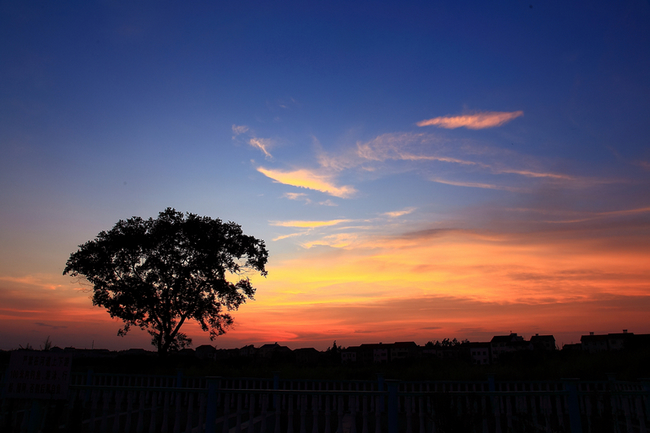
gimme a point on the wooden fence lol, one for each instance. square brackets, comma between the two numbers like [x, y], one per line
[179, 404]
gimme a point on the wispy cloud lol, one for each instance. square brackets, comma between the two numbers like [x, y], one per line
[477, 185]
[399, 213]
[295, 195]
[481, 120]
[261, 144]
[529, 173]
[341, 240]
[304, 178]
[239, 129]
[588, 216]
[49, 326]
[308, 224]
[291, 235]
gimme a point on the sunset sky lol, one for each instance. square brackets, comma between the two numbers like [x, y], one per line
[418, 170]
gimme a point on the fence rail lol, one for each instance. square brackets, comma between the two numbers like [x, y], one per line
[179, 404]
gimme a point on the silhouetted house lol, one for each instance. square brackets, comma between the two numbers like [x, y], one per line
[501, 344]
[307, 356]
[594, 343]
[187, 352]
[274, 350]
[446, 350]
[380, 353]
[248, 351]
[543, 342]
[206, 352]
[617, 341]
[403, 350]
[452, 353]
[572, 347]
[374, 353]
[351, 355]
[227, 353]
[428, 350]
[478, 352]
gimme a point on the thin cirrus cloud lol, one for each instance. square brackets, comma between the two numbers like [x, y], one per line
[467, 156]
[477, 185]
[399, 213]
[481, 120]
[261, 144]
[528, 173]
[308, 224]
[239, 129]
[295, 196]
[308, 179]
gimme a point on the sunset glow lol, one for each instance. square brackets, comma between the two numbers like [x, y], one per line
[418, 172]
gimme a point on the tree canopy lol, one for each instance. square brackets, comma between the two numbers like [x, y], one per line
[157, 274]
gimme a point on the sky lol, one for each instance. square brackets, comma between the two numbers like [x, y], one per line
[418, 170]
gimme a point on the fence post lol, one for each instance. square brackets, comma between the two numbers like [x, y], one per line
[494, 399]
[574, 406]
[89, 384]
[211, 409]
[646, 387]
[380, 388]
[392, 406]
[276, 386]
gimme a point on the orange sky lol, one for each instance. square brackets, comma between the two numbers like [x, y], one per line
[384, 284]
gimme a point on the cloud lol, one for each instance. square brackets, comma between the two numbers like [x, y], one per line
[295, 195]
[588, 216]
[399, 213]
[477, 185]
[529, 173]
[481, 120]
[239, 129]
[279, 238]
[304, 178]
[341, 240]
[261, 144]
[49, 326]
[308, 224]
[327, 202]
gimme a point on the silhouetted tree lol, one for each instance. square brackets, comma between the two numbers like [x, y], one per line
[158, 273]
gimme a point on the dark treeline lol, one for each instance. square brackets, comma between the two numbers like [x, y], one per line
[624, 365]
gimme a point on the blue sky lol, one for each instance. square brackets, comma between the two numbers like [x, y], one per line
[300, 122]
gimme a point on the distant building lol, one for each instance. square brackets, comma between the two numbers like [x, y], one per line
[572, 347]
[248, 351]
[350, 355]
[403, 350]
[613, 342]
[594, 343]
[380, 353]
[206, 351]
[501, 344]
[543, 342]
[307, 356]
[479, 353]
[273, 350]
